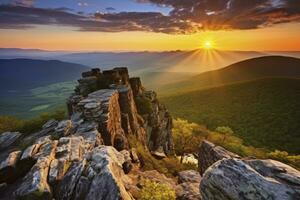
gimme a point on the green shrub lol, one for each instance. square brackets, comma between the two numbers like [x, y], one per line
[156, 191]
[187, 136]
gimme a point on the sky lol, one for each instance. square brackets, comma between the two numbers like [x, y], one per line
[154, 25]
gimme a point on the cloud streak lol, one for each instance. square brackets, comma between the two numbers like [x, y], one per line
[189, 16]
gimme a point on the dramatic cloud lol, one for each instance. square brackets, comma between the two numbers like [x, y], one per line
[186, 16]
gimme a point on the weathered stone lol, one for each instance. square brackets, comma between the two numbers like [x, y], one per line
[64, 128]
[67, 185]
[34, 185]
[188, 191]
[189, 176]
[8, 170]
[209, 153]
[50, 124]
[108, 175]
[236, 180]
[70, 148]
[91, 138]
[8, 138]
[58, 168]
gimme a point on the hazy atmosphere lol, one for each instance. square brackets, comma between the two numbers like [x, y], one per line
[149, 99]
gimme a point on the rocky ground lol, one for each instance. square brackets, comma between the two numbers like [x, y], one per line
[89, 156]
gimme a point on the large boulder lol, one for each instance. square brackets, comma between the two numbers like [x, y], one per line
[209, 153]
[236, 179]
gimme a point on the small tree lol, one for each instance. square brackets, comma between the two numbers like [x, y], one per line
[187, 136]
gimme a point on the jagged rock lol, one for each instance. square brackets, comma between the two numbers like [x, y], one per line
[233, 178]
[209, 153]
[8, 171]
[70, 148]
[68, 183]
[189, 176]
[64, 128]
[188, 191]
[109, 98]
[107, 173]
[8, 138]
[50, 124]
[34, 185]
[30, 152]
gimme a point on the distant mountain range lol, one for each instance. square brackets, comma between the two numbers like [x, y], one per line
[24, 74]
[139, 63]
[267, 66]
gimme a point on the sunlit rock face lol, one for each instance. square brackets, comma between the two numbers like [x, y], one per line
[121, 106]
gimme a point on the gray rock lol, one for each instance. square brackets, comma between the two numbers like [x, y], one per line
[189, 176]
[50, 124]
[8, 169]
[35, 185]
[106, 167]
[68, 183]
[234, 179]
[8, 138]
[209, 153]
[188, 191]
[64, 128]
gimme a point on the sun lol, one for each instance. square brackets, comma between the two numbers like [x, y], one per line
[208, 45]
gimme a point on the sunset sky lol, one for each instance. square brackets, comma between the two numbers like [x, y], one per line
[156, 25]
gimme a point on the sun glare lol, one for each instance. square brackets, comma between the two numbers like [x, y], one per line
[208, 45]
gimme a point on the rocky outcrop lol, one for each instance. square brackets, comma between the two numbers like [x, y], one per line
[87, 156]
[209, 153]
[121, 107]
[233, 178]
